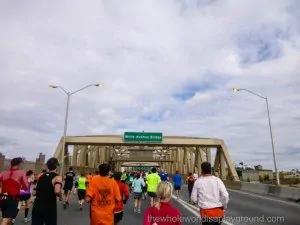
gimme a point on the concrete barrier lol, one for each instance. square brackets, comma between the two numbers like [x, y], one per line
[255, 188]
[289, 193]
[235, 185]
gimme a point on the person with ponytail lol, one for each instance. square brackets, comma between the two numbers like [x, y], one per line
[163, 212]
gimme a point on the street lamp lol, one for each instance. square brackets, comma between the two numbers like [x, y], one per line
[270, 126]
[66, 117]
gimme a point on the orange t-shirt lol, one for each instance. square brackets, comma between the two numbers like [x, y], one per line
[104, 193]
[39, 175]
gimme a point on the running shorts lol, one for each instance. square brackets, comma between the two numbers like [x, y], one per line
[9, 207]
[177, 188]
[81, 194]
[137, 195]
[118, 217]
[25, 197]
[152, 194]
[67, 188]
[76, 184]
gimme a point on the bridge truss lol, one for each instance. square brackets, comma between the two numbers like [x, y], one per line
[174, 153]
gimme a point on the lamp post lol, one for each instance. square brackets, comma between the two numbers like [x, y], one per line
[66, 116]
[270, 127]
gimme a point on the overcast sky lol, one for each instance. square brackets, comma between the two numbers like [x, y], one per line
[166, 66]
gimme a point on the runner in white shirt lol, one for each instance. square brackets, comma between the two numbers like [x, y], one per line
[210, 193]
[195, 176]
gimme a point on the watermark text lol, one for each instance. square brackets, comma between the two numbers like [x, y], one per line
[230, 219]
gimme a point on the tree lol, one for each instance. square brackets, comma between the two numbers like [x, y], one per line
[266, 177]
[281, 176]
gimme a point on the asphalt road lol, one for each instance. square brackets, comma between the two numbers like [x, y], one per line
[72, 215]
[246, 208]
[243, 209]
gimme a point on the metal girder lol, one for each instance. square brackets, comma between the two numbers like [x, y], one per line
[141, 160]
[182, 153]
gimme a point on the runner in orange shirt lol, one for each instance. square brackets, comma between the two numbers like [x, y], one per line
[89, 178]
[103, 193]
[40, 174]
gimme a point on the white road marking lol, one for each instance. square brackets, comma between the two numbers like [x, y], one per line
[193, 209]
[263, 197]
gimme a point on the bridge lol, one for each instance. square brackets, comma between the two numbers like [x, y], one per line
[249, 203]
[169, 152]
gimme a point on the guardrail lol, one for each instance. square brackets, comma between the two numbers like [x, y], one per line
[288, 193]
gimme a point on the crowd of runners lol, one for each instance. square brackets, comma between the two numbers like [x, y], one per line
[107, 192]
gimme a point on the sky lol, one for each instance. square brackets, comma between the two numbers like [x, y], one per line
[166, 66]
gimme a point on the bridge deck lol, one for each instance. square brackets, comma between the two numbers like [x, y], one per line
[244, 208]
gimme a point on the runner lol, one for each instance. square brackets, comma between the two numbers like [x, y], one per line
[138, 184]
[48, 188]
[163, 213]
[144, 187]
[69, 181]
[195, 175]
[124, 177]
[89, 178]
[190, 180]
[163, 175]
[12, 181]
[118, 212]
[152, 181]
[177, 179]
[102, 193]
[40, 174]
[131, 178]
[76, 184]
[82, 183]
[25, 196]
[211, 195]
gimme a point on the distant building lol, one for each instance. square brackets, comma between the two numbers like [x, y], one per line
[258, 167]
[257, 175]
[36, 166]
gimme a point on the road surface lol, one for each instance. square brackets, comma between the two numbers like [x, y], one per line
[243, 209]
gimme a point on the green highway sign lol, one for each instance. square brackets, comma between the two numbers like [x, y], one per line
[142, 168]
[142, 137]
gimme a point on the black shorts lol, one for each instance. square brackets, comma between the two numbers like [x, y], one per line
[137, 195]
[43, 217]
[118, 217]
[24, 197]
[76, 184]
[9, 207]
[81, 194]
[67, 188]
[177, 188]
[152, 194]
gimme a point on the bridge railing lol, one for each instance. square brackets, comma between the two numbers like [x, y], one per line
[289, 193]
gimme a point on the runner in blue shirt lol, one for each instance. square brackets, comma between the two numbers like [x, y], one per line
[177, 180]
[163, 176]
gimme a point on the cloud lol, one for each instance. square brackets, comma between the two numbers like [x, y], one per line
[166, 66]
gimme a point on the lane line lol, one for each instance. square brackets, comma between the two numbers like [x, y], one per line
[193, 209]
[263, 197]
